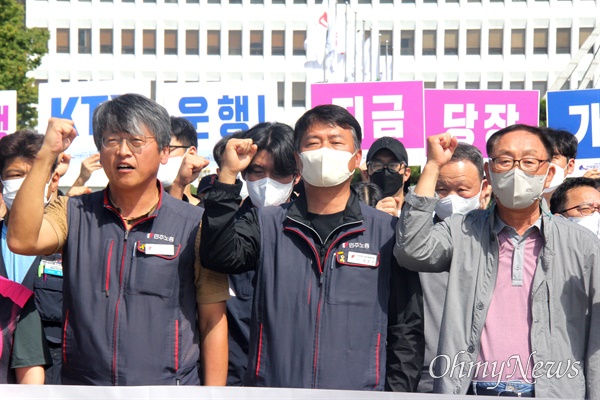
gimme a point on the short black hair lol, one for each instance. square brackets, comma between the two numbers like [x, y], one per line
[558, 200]
[368, 193]
[277, 139]
[330, 115]
[534, 130]
[183, 130]
[468, 152]
[563, 142]
[23, 143]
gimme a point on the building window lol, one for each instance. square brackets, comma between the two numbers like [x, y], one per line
[385, 43]
[429, 42]
[429, 84]
[541, 86]
[517, 41]
[192, 1]
[407, 43]
[150, 1]
[365, 1]
[235, 1]
[256, 43]
[192, 44]
[127, 41]
[584, 33]
[213, 1]
[495, 42]
[213, 43]
[563, 41]
[450, 85]
[451, 42]
[171, 41]
[298, 41]
[149, 41]
[170, 1]
[278, 2]
[380, 2]
[235, 43]
[63, 40]
[495, 85]
[474, 42]
[298, 94]
[280, 94]
[299, 1]
[85, 41]
[278, 43]
[257, 2]
[540, 41]
[106, 41]
[408, 1]
[472, 85]
[517, 85]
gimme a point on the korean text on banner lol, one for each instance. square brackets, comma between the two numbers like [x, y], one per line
[218, 109]
[474, 115]
[8, 112]
[382, 108]
[578, 111]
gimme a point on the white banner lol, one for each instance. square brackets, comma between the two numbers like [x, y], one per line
[50, 392]
[77, 101]
[8, 112]
[217, 109]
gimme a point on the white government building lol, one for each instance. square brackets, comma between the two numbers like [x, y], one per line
[473, 44]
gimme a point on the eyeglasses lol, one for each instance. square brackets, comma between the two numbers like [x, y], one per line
[134, 142]
[377, 166]
[506, 163]
[585, 209]
[173, 148]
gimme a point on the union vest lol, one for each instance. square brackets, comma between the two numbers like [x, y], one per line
[321, 325]
[130, 315]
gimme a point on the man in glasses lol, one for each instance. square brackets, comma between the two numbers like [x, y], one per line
[183, 165]
[578, 200]
[521, 311]
[387, 167]
[132, 279]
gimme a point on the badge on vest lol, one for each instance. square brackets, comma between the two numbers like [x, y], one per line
[358, 259]
[50, 267]
[167, 251]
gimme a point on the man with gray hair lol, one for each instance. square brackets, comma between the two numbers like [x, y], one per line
[131, 275]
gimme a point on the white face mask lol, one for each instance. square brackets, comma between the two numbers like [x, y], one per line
[12, 186]
[244, 190]
[454, 204]
[269, 192]
[516, 189]
[168, 172]
[592, 222]
[325, 167]
[557, 179]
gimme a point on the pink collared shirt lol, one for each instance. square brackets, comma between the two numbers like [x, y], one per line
[505, 338]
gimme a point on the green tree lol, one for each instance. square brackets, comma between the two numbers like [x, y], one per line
[21, 51]
[543, 112]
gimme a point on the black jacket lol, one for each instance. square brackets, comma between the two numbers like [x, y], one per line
[322, 312]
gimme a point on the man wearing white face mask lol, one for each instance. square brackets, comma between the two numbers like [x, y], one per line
[328, 297]
[270, 176]
[461, 189]
[563, 158]
[40, 275]
[183, 165]
[522, 294]
[578, 200]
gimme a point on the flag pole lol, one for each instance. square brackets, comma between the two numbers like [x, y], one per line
[346, 43]
[355, 37]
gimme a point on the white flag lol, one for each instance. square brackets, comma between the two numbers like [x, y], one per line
[316, 38]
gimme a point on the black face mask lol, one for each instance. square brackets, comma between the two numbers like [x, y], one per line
[388, 181]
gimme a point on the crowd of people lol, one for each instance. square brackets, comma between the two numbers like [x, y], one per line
[296, 265]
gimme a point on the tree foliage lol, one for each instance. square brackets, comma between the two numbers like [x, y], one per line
[21, 51]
